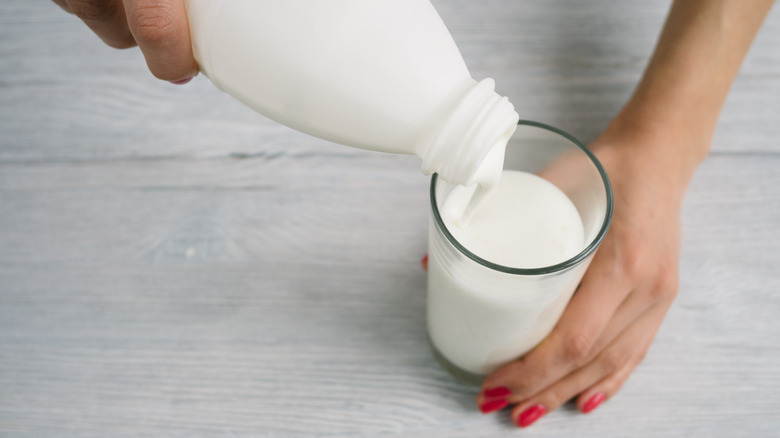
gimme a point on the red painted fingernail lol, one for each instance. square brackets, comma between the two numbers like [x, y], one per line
[500, 391]
[424, 262]
[530, 415]
[593, 402]
[182, 81]
[493, 406]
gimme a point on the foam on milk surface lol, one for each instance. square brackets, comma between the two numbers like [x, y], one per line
[523, 222]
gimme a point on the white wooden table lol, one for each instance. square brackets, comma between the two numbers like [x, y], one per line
[174, 265]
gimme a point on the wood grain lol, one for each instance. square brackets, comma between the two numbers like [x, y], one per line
[173, 264]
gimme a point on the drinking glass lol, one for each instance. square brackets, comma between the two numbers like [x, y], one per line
[482, 315]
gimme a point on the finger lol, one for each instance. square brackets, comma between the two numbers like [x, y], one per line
[63, 5]
[662, 293]
[629, 311]
[573, 340]
[612, 366]
[661, 290]
[635, 305]
[627, 314]
[161, 29]
[590, 398]
[106, 18]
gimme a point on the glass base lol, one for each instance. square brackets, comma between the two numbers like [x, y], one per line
[457, 372]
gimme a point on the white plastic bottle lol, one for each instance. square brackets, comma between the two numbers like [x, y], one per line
[383, 75]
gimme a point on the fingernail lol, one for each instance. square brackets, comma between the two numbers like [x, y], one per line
[493, 406]
[530, 415]
[593, 402]
[182, 81]
[500, 391]
[424, 262]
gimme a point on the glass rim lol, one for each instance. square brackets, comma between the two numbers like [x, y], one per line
[562, 266]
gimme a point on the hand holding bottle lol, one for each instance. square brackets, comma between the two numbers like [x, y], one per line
[158, 27]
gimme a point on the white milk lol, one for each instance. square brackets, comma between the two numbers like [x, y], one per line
[478, 318]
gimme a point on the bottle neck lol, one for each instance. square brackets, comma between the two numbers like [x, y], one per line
[480, 122]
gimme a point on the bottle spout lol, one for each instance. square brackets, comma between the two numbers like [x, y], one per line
[478, 128]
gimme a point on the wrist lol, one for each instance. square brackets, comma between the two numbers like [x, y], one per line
[650, 151]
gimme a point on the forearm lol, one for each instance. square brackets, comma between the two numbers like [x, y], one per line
[697, 57]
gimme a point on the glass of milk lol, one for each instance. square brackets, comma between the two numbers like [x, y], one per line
[501, 273]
